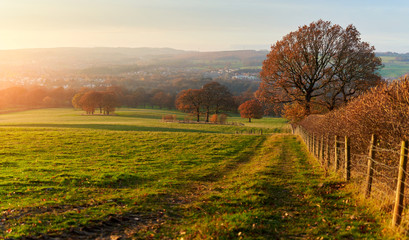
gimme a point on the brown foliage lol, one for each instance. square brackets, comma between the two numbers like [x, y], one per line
[218, 118]
[320, 63]
[34, 97]
[169, 118]
[89, 101]
[214, 118]
[251, 109]
[190, 101]
[382, 111]
[216, 98]
[212, 97]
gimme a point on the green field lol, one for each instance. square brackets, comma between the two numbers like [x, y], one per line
[70, 176]
[393, 68]
[61, 169]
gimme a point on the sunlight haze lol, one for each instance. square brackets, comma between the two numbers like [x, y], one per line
[192, 25]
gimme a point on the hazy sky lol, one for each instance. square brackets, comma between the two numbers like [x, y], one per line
[193, 24]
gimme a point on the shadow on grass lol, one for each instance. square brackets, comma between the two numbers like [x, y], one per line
[115, 127]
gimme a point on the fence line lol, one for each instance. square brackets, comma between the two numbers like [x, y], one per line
[376, 171]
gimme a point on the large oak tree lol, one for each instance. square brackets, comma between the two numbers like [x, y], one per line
[320, 63]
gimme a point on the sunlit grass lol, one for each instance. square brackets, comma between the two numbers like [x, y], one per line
[54, 179]
[61, 169]
[134, 120]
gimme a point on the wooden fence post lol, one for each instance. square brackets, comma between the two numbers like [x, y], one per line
[369, 174]
[328, 157]
[400, 189]
[347, 159]
[313, 144]
[336, 157]
[322, 150]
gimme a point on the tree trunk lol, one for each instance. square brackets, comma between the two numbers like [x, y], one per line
[307, 104]
[249, 119]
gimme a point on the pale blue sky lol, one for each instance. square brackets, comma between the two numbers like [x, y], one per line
[192, 24]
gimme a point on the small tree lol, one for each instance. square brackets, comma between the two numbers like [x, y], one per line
[214, 118]
[251, 109]
[216, 98]
[109, 102]
[191, 101]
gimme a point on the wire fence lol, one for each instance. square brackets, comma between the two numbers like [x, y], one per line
[380, 172]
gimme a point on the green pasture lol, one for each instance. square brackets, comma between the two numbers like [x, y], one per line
[62, 170]
[135, 120]
[65, 175]
[394, 68]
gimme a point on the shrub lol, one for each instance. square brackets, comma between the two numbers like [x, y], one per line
[169, 118]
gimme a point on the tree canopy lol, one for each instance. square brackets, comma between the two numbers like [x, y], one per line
[320, 64]
[91, 100]
[211, 98]
[251, 109]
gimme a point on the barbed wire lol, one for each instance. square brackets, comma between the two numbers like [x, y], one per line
[384, 175]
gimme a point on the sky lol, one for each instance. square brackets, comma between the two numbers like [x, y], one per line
[199, 25]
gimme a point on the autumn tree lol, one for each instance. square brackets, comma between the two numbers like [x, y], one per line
[109, 102]
[162, 99]
[251, 109]
[318, 64]
[89, 101]
[191, 101]
[216, 98]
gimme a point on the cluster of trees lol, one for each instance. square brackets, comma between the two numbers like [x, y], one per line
[88, 101]
[211, 98]
[107, 99]
[35, 97]
[318, 68]
[141, 97]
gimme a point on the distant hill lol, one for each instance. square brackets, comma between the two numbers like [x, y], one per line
[79, 58]
[82, 58]
[43, 61]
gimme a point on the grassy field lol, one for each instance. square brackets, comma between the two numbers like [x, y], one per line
[394, 68]
[133, 120]
[61, 169]
[69, 176]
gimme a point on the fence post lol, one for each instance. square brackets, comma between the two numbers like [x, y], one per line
[322, 150]
[328, 157]
[347, 159]
[400, 189]
[313, 144]
[369, 175]
[336, 157]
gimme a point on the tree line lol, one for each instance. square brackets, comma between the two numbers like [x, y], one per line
[35, 97]
[40, 97]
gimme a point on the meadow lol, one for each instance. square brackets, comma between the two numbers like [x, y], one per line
[393, 68]
[65, 175]
[62, 170]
